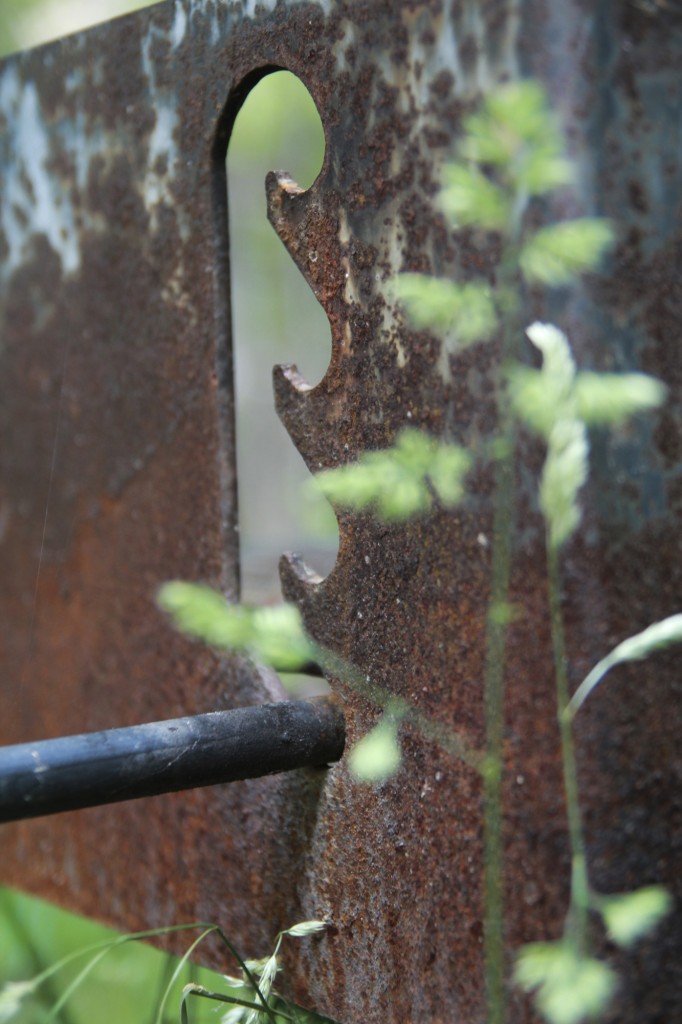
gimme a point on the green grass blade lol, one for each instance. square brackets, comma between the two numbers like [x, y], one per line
[76, 983]
[178, 969]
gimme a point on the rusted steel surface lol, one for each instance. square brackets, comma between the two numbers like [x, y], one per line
[116, 404]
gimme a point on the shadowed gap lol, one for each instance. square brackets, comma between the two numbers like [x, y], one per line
[275, 319]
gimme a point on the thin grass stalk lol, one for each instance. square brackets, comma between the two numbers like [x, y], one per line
[493, 884]
[496, 636]
[179, 967]
[580, 888]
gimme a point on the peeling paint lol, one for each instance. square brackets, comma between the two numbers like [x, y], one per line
[33, 200]
[180, 24]
[162, 149]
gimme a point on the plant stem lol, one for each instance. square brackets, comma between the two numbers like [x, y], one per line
[445, 736]
[496, 636]
[496, 631]
[580, 888]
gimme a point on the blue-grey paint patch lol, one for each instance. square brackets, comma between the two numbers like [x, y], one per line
[180, 23]
[161, 153]
[33, 200]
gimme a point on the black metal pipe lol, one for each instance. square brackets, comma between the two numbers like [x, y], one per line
[72, 772]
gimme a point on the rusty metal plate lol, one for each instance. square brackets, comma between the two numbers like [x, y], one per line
[116, 413]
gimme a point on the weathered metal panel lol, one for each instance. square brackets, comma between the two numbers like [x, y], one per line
[116, 406]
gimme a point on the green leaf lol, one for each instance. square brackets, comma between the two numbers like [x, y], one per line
[352, 486]
[272, 635]
[448, 466]
[516, 132]
[428, 301]
[468, 197]
[278, 637]
[399, 480]
[557, 254]
[569, 988]
[654, 638]
[435, 304]
[544, 168]
[177, 971]
[534, 401]
[564, 473]
[542, 397]
[556, 402]
[203, 613]
[377, 755]
[609, 398]
[520, 109]
[402, 496]
[630, 916]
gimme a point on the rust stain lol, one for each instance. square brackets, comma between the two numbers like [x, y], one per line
[115, 340]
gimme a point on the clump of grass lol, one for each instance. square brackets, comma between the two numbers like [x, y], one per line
[252, 996]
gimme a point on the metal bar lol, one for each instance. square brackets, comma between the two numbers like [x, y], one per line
[37, 779]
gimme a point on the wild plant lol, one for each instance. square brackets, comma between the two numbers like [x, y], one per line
[257, 1000]
[510, 155]
[252, 996]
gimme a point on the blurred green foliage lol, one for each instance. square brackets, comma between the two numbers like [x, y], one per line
[273, 635]
[400, 482]
[25, 23]
[127, 984]
[99, 975]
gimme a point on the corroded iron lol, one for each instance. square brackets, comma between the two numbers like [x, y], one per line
[116, 415]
